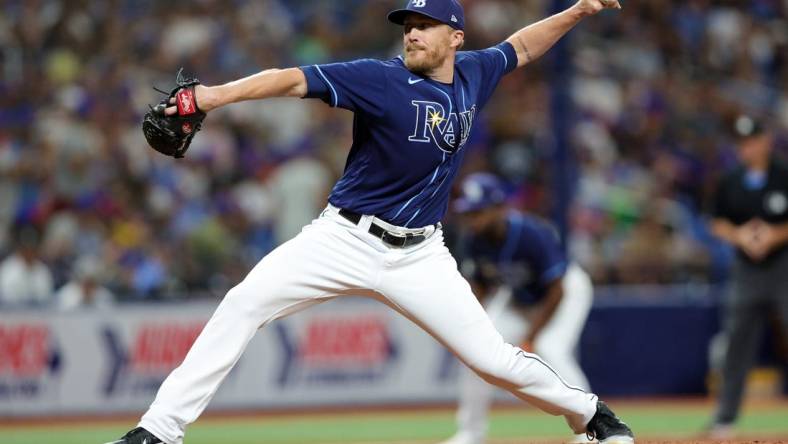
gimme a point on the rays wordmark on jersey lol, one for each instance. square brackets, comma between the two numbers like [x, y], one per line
[432, 125]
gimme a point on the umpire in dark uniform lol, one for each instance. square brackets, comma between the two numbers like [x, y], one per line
[751, 213]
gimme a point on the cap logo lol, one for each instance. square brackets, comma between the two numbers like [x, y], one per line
[473, 191]
[744, 126]
[454, 18]
[419, 3]
[776, 202]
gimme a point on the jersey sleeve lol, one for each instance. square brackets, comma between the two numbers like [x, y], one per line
[493, 63]
[358, 86]
[546, 255]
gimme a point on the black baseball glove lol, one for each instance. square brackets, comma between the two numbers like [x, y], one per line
[171, 135]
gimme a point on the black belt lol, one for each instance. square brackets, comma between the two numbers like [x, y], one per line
[391, 238]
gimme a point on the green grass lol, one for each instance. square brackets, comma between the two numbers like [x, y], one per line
[679, 420]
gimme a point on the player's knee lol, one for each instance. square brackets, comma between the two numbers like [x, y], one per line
[240, 298]
[261, 304]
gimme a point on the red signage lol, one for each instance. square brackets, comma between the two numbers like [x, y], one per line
[24, 350]
[161, 347]
[337, 341]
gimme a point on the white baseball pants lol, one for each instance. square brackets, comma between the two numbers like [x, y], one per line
[332, 257]
[556, 343]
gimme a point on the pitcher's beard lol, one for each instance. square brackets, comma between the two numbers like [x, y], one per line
[424, 64]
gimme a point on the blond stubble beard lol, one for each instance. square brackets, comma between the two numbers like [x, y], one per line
[433, 59]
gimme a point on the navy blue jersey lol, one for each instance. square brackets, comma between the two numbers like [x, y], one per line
[408, 130]
[528, 260]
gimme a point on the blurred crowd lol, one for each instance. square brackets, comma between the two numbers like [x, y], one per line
[86, 207]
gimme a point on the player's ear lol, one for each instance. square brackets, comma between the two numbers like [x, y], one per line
[457, 39]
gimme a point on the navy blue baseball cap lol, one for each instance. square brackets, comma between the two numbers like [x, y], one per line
[449, 12]
[480, 191]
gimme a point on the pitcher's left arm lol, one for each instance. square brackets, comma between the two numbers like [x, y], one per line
[534, 40]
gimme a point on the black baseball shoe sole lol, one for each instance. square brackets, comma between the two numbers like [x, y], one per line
[607, 428]
[138, 436]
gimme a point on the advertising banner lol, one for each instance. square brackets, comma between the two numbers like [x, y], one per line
[341, 352]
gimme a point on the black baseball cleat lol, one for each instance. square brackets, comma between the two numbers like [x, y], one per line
[607, 428]
[138, 436]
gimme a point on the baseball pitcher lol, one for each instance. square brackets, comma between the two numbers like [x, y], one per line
[380, 234]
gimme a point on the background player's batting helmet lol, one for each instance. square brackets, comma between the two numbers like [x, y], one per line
[480, 191]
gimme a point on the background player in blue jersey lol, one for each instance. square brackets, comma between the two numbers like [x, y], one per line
[380, 235]
[532, 293]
